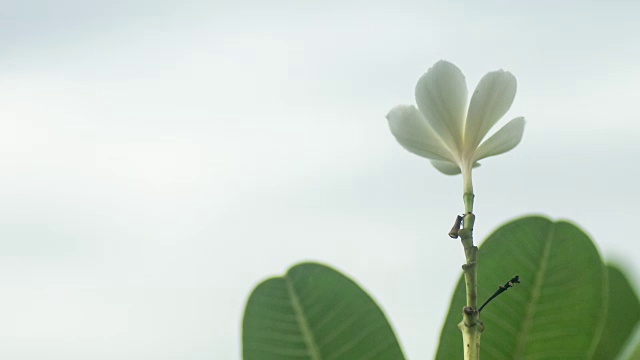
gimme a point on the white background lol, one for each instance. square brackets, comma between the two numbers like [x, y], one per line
[160, 158]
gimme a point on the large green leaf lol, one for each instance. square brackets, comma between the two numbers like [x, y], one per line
[631, 350]
[623, 313]
[314, 312]
[558, 310]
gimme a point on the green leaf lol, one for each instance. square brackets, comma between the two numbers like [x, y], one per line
[631, 350]
[623, 313]
[558, 309]
[314, 312]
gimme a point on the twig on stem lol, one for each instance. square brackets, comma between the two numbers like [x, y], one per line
[501, 289]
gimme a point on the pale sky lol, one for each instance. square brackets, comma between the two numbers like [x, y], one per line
[160, 158]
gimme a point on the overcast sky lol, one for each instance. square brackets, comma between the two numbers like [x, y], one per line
[159, 158]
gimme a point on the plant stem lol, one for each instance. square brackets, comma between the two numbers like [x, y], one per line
[471, 254]
[468, 202]
[471, 326]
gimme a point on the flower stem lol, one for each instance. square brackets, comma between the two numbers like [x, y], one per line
[468, 202]
[470, 326]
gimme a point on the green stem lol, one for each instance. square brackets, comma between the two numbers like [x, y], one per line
[468, 202]
[471, 254]
[470, 326]
[471, 341]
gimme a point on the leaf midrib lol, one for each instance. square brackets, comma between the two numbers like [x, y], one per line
[312, 346]
[535, 295]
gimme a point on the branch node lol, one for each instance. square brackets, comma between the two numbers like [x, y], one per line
[468, 310]
[468, 266]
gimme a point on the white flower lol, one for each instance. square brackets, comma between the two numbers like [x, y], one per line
[444, 131]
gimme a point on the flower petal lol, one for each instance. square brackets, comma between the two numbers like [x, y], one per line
[502, 141]
[441, 95]
[491, 100]
[413, 132]
[449, 168]
[446, 167]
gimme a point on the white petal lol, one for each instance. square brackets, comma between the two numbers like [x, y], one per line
[413, 132]
[441, 95]
[448, 168]
[503, 140]
[491, 100]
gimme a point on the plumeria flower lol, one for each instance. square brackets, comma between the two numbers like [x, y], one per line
[443, 130]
